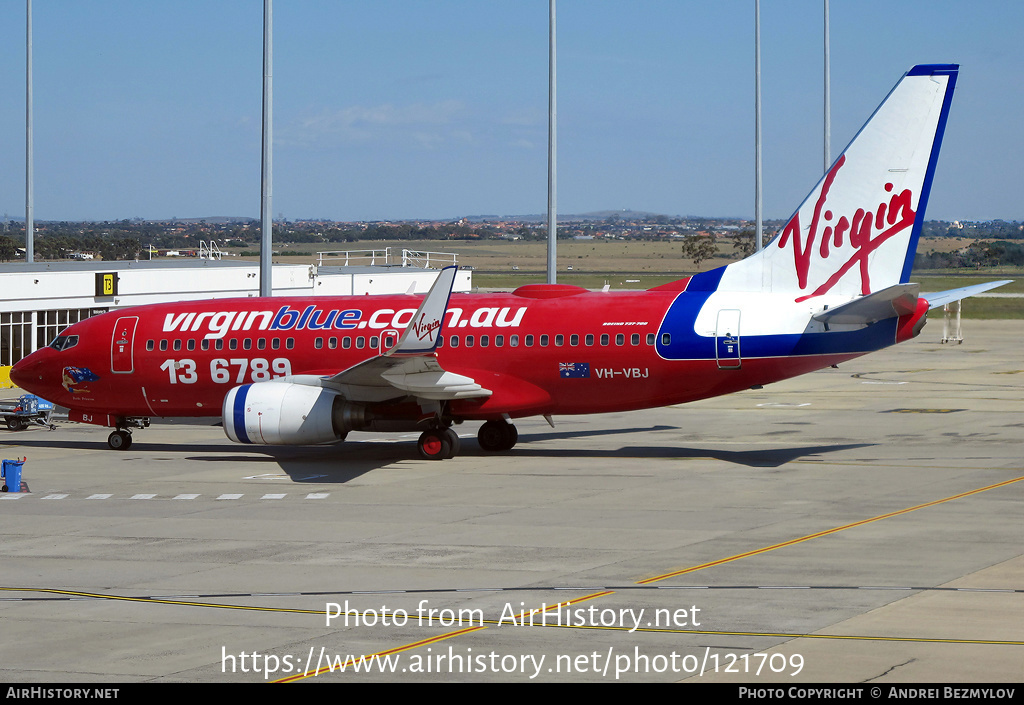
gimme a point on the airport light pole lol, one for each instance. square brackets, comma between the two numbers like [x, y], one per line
[267, 193]
[828, 98]
[552, 149]
[30, 206]
[757, 124]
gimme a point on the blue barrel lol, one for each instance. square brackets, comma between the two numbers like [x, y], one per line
[10, 470]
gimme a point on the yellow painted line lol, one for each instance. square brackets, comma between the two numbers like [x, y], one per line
[785, 635]
[826, 532]
[431, 640]
[398, 649]
[159, 601]
[593, 596]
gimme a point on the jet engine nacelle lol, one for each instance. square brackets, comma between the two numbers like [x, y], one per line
[283, 413]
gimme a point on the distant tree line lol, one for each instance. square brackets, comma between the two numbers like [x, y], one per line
[979, 254]
[125, 239]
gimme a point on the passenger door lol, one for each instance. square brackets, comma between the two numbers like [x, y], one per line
[727, 339]
[122, 344]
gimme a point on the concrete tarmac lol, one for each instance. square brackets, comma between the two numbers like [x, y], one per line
[855, 525]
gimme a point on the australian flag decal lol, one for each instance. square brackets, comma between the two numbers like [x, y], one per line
[573, 369]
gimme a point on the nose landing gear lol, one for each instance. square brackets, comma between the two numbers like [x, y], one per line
[121, 439]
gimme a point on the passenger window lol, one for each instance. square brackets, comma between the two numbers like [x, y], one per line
[190, 344]
[513, 341]
[455, 341]
[318, 343]
[233, 344]
[177, 344]
[484, 341]
[604, 339]
[374, 342]
[469, 341]
[261, 343]
[590, 340]
[332, 343]
[574, 339]
[275, 344]
[247, 344]
[289, 343]
[346, 342]
[150, 344]
[544, 341]
[163, 345]
[529, 341]
[219, 345]
[666, 339]
[650, 338]
[499, 341]
[204, 344]
[620, 339]
[635, 339]
[559, 340]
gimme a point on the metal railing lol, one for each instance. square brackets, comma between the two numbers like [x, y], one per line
[414, 258]
[346, 258]
[410, 258]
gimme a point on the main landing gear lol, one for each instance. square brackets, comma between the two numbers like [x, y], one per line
[443, 443]
[439, 444]
[497, 435]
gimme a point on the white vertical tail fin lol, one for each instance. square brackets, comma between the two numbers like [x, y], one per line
[857, 231]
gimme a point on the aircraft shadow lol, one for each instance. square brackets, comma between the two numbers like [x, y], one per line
[344, 462]
[763, 458]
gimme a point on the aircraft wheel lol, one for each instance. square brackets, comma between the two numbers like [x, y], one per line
[119, 440]
[434, 445]
[454, 442]
[497, 435]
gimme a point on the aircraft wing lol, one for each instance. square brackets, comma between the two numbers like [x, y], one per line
[944, 297]
[411, 367]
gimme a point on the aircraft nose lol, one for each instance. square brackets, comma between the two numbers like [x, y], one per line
[25, 373]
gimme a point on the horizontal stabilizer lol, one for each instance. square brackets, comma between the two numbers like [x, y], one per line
[890, 302]
[944, 297]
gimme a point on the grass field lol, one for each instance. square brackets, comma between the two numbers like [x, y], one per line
[632, 264]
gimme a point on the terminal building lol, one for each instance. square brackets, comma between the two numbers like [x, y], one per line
[39, 300]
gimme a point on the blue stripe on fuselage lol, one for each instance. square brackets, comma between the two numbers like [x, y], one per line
[686, 344]
[238, 414]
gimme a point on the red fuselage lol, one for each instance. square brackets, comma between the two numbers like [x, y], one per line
[541, 350]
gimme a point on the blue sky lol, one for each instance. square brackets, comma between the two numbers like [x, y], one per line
[400, 109]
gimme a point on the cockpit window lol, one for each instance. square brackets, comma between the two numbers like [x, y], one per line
[63, 342]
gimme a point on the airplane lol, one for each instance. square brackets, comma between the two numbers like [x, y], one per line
[833, 284]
